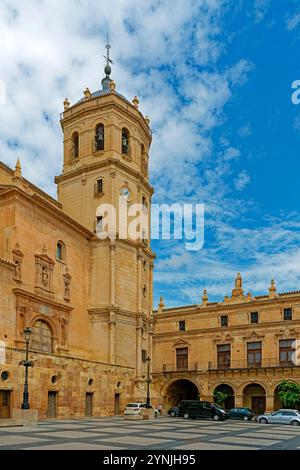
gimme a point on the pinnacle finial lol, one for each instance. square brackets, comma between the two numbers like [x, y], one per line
[107, 69]
[161, 305]
[18, 169]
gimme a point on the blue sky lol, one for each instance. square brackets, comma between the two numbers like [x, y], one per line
[215, 79]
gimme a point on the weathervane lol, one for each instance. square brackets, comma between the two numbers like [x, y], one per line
[107, 58]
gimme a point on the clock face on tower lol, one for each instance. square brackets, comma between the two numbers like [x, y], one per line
[125, 193]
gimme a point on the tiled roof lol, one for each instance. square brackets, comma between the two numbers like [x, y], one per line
[98, 93]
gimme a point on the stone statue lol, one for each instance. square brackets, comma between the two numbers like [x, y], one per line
[18, 270]
[44, 276]
[238, 281]
[67, 291]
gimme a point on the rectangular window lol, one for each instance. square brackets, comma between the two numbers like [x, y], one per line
[224, 320]
[254, 317]
[182, 325]
[287, 314]
[223, 356]
[182, 359]
[100, 186]
[286, 351]
[144, 355]
[254, 354]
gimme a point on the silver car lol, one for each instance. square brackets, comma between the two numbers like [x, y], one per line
[284, 416]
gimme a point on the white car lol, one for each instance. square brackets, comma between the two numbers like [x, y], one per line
[136, 409]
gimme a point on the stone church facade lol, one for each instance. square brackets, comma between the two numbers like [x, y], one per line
[88, 301]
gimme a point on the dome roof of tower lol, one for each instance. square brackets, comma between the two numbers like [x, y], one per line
[105, 92]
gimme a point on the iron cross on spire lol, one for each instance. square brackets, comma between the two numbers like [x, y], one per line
[106, 57]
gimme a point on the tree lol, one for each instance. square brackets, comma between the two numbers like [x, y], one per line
[220, 397]
[289, 393]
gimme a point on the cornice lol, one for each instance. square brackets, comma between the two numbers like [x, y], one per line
[242, 329]
[37, 298]
[257, 302]
[113, 162]
[32, 186]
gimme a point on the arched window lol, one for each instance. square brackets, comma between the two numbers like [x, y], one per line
[99, 137]
[75, 142]
[41, 339]
[125, 141]
[60, 251]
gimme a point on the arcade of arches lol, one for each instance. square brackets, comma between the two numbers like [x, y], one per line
[253, 395]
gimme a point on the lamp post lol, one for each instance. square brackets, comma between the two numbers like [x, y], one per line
[148, 361]
[26, 363]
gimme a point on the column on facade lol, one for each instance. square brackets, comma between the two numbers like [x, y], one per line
[269, 402]
[112, 247]
[112, 337]
[151, 265]
[139, 347]
[150, 344]
[238, 401]
[139, 280]
[139, 314]
[115, 228]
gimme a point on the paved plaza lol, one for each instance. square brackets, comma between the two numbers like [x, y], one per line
[163, 433]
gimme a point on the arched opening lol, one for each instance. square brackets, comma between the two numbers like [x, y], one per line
[75, 144]
[60, 251]
[99, 137]
[42, 337]
[125, 141]
[254, 397]
[182, 389]
[224, 396]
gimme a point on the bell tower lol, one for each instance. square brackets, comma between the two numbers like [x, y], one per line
[106, 147]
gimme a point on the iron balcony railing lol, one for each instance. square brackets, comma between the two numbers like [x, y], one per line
[193, 366]
[234, 364]
[245, 364]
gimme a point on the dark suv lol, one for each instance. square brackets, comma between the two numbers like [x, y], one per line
[241, 413]
[201, 409]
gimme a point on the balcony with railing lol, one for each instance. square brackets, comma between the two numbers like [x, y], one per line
[246, 364]
[239, 364]
[166, 368]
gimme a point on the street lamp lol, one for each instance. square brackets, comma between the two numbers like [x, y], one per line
[148, 361]
[26, 363]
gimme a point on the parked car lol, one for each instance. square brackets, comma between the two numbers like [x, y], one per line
[136, 409]
[174, 411]
[201, 409]
[283, 416]
[241, 413]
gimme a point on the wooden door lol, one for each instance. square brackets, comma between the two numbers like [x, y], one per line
[5, 404]
[258, 405]
[52, 405]
[117, 404]
[182, 359]
[89, 404]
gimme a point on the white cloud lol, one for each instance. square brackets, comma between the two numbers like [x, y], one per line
[242, 180]
[245, 131]
[292, 22]
[261, 8]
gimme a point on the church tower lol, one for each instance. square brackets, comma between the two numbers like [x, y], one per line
[106, 146]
